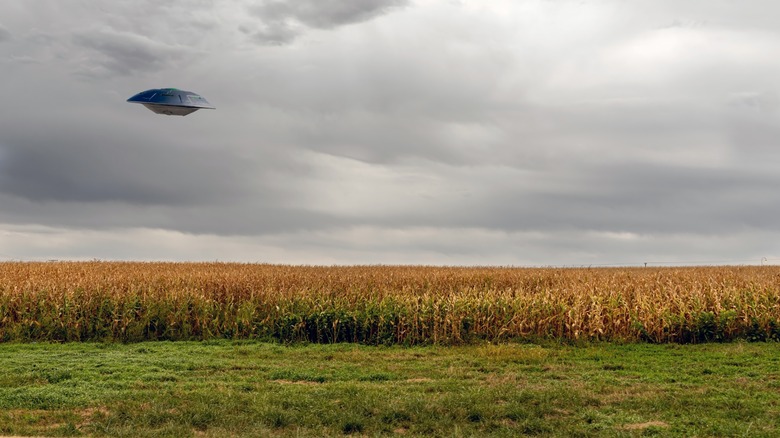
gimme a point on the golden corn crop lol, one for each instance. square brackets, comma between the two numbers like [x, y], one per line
[75, 301]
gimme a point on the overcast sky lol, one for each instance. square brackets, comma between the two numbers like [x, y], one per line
[501, 132]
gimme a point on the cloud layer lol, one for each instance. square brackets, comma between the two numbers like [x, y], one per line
[387, 131]
[281, 22]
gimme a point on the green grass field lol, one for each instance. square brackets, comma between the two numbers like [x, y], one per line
[243, 388]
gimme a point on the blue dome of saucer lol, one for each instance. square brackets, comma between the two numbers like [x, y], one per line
[171, 101]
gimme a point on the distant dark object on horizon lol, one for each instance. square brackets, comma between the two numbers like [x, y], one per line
[171, 101]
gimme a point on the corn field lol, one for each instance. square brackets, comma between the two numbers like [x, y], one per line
[128, 302]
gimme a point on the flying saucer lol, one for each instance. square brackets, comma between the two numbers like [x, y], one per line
[171, 101]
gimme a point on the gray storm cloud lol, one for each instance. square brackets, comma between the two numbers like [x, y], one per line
[122, 53]
[51, 169]
[5, 35]
[283, 21]
[392, 131]
[324, 14]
